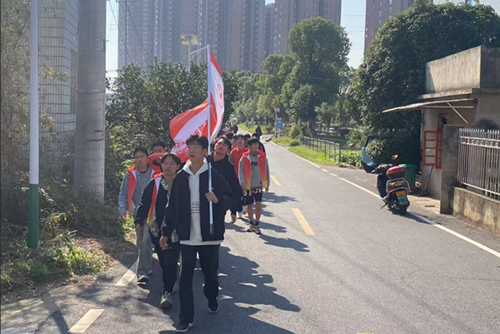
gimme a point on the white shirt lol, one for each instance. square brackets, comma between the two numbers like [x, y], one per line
[195, 237]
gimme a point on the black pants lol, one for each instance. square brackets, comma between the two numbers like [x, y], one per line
[209, 261]
[168, 262]
[239, 206]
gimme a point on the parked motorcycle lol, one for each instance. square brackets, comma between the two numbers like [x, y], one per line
[393, 187]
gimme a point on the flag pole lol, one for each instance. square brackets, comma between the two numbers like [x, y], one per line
[209, 142]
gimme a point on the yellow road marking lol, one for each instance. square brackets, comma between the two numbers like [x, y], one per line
[88, 319]
[275, 181]
[307, 228]
[128, 276]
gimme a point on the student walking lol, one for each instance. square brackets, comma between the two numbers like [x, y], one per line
[254, 178]
[188, 213]
[234, 158]
[222, 164]
[152, 210]
[133, 185]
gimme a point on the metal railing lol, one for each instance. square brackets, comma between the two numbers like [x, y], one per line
[329, 148]
[479, 161]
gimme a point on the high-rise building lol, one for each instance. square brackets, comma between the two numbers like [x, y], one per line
[210, 27]
[235, 30]
[289, 12]
[167, 30]
[58, 50]
[253, 35]
[231, 35]
[188, 25]
[269, 29]
[379, 11]
[137, 20]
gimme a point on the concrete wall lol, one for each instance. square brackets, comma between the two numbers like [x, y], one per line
[477, 210]
[490, 68]
[458, 71]
[489, 108]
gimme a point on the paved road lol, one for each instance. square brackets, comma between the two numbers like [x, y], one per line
[345, 266]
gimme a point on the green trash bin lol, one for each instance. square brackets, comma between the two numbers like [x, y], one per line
[410, 172]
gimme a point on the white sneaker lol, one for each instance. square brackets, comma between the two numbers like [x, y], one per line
[245, 210]
[143, 278]
[240, 215]
[166, 300]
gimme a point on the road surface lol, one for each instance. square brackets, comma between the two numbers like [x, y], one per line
[329, 260]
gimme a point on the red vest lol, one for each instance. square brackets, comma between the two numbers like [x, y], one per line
[247, 168]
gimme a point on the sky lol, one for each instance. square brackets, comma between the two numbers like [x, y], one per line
[353, 19]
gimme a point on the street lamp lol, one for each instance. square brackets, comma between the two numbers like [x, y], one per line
[189, 40]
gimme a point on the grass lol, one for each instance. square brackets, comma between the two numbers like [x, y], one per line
[252, 129]
[246, 128]
[79, 238]
[311, 155]
[349, 157]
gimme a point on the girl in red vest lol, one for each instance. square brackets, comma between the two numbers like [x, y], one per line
[151, 211]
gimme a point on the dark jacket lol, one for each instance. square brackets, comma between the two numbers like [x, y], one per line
[227, 170]
[147, 196]
[178, 211]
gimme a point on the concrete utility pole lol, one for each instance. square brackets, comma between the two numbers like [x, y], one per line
[89, 140]
[34, 134]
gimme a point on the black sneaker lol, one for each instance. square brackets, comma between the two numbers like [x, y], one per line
[213, 306]
[183, 327]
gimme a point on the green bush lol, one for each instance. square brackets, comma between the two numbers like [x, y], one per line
[269, 129]
[352, 158]
[294, 143]
[83, 263]
[296, 132]
[404, 144]
[5, 281]
[39, 271]
[356, 138]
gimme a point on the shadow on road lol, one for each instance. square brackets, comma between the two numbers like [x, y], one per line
[242, 289]
[273, 198]
[285, 243]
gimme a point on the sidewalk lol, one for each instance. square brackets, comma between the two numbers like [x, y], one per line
[26, 316]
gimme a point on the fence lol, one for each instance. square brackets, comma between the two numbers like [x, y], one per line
[331, 148]
[479, 161]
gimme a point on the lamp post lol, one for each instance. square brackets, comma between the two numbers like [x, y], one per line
[190, 40]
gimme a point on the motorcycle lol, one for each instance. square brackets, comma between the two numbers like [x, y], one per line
[393, 187]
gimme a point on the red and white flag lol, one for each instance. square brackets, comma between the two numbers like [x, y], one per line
[216, 93]
[195, 121]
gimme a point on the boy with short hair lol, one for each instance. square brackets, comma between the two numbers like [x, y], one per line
[134, 182]
[254, 178]
[188, 214]
[234, 158]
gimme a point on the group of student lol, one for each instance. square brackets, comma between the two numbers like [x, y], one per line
[170, 203]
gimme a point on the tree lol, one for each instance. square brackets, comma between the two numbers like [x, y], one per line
[319, 54]
[326, 112]
[145, 104]
[393, 72]
[303, 104]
